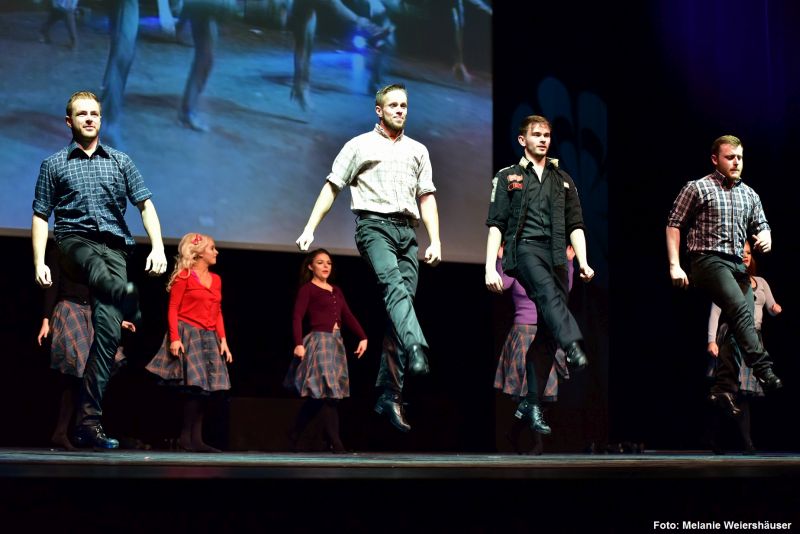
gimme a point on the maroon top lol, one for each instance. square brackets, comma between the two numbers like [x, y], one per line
[322, 309]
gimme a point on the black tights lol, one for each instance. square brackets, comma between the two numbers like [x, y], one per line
[329, 411]
[194, 408]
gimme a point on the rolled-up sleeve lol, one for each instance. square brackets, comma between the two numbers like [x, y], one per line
[43, 196]
[758, 220]
[137, 191]
[573, 216]
[425, 174]
[344, 166]
[683, 206]
[499, 205]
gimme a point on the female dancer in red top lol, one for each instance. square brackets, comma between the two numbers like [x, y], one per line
[319, 370]
[194, 352]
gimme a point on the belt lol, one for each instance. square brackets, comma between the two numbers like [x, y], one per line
[536, 239]
[394, 218]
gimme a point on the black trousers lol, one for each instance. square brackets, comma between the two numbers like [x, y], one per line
[728, 284]
[391, 250]
[548, 286]
[104, 269]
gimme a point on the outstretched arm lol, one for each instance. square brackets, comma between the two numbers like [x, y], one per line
[430, 217]
[39, 237]
[678, 276]
[321, 208]
[156, 260]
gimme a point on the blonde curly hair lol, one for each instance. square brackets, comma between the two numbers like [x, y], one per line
[189, 249]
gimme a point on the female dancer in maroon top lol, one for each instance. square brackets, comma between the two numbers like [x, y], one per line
[194, 352]
[319, 370]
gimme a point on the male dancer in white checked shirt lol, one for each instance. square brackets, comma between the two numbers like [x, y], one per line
[388, 173]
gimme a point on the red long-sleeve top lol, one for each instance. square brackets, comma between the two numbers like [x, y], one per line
[195, 304]
[322, 309]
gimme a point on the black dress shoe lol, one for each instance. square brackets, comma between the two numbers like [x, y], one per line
[576, 358]
[417, 361]
[93, 436]
[390, 405]
[767, 378]
[130, 304]
[537, 421]
[726, 403]
[531, 412]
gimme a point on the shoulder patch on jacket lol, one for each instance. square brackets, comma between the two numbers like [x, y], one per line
[494, 188]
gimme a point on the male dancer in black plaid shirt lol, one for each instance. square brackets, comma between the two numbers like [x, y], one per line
[720, 212]
[86, 186]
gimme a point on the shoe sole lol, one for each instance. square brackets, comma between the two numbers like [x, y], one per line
[380, 411]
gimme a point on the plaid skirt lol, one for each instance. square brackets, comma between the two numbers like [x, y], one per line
[510, 376]
[322, 373]
[200, 366]
[748, 383]
[71, 335]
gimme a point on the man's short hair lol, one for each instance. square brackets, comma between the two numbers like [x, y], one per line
[725, 140]
[82, 95]
[533, 119]
[381, 94]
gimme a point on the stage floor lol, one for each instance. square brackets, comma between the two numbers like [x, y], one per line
[44, 463]
[158, 491]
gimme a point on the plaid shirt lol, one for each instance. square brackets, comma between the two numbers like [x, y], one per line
[88, 194]
[720, 218]
[385, 176]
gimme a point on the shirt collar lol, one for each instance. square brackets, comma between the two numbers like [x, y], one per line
[380, 131]
[719, 177]
[73, 146]
[524, 162]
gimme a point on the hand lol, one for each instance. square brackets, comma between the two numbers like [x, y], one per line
[176, 348]
[433, 254]
[679, 278]
[570, 253]
[713, 349]
[305, 240]
[127, 325]
[225, 351]
[156, 263]
[493, 281]
[43, 277]
[776, 308]
[44, 331]
[587, 273]
[300, 351]
[763, 244]
[362, 348]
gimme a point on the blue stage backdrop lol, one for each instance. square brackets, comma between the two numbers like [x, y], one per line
[251, 179]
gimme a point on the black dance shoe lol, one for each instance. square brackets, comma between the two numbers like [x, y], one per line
[533, 413]
[576, 358]
[130, 304]
[726, 403]
[389, 404]
[767, 379]
[537, 421]
[93, 436]
[417, 361]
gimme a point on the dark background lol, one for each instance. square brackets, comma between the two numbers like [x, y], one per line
[672, 76]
